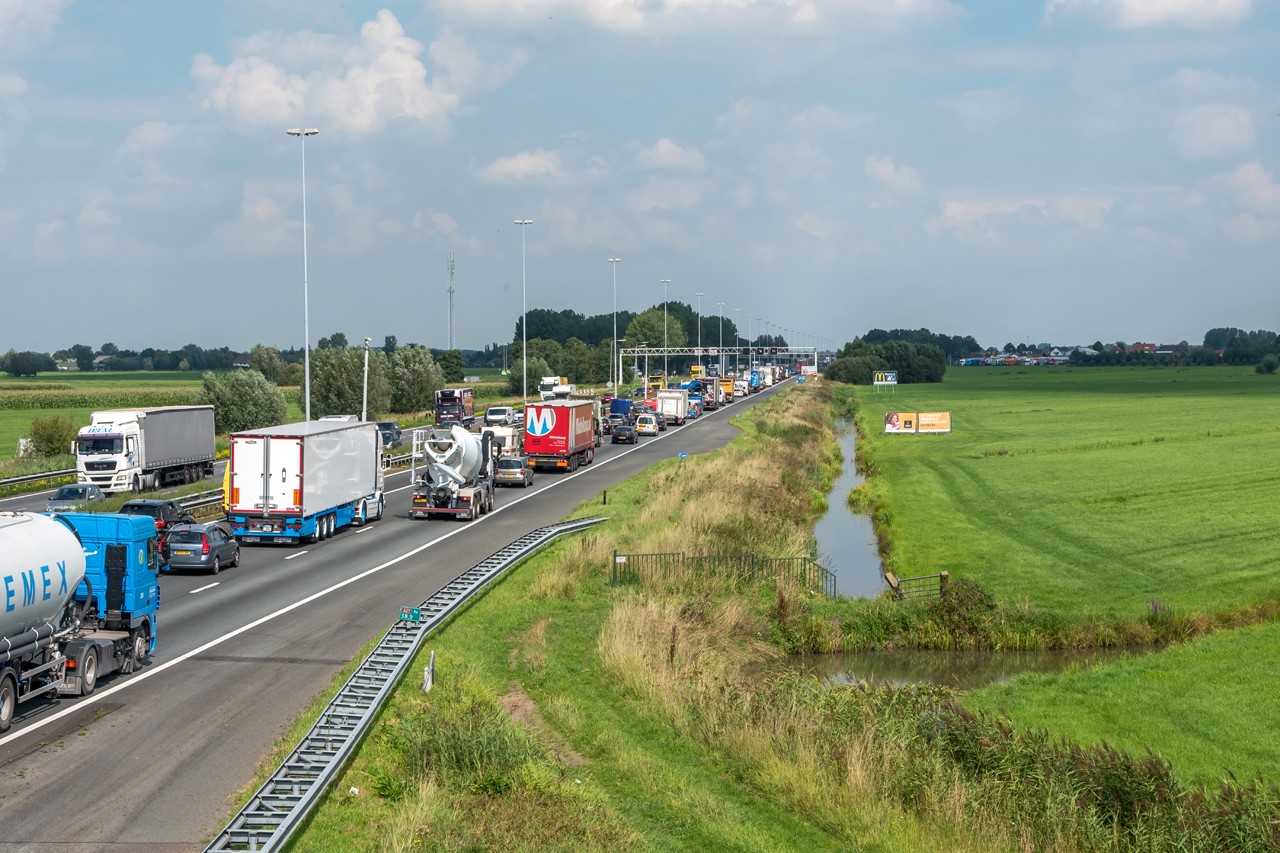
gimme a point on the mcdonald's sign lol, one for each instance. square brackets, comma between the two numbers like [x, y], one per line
[886, 377]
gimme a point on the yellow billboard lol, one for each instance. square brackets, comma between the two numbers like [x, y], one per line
[900, 422]
[933, 422]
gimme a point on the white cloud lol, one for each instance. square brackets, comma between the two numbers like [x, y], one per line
[262, 227]
[45, 230]
[902, 179]
[148, 135]
[24, 22]
[663, 195]
[666, 154]
[986, 109]
[358, 89]
[92, 213]
[1255, 188]
[975, 215]
[1209, 85]
[1133, 14]
[818, 226]
[1247, 228]
[1088, 212]
[444, 223]
[11, 85]
[1213, 130]
[540, 164]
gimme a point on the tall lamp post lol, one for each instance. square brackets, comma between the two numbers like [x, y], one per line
[665, 282]
[737, 341]
[302, 133]
[524, 315]
[617, 380]
[364, 397]
[699, 295]
[720, 305]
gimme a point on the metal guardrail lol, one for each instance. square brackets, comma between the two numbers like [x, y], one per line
[201, 499]
[32, 478]
[284, 800]
[925, 586]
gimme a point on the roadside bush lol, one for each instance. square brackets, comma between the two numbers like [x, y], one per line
[1268, 364]
[52, 436]
[966, 610]
[242, 400]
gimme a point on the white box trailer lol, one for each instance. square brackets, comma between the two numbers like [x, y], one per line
[304, 480]
[135, 449]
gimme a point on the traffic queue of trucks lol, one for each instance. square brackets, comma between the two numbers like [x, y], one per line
[80, 593]
[125, 450]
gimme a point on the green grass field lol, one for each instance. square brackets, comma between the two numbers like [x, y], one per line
[1088, 492]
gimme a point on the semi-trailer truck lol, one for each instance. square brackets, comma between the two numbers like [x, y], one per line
[304, 481]
[134, 449]
[458, 479]
[80, 596]
[560, 434]
[674, 403]
[456, 405]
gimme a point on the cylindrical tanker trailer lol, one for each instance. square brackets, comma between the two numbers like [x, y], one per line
[78, 598]
[457, 478]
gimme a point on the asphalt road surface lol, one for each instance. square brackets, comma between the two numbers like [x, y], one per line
[152, 761]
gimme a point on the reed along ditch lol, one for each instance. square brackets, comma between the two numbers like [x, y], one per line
[846, 540]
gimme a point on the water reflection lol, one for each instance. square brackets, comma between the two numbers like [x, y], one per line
[846, 541]
[961, 670]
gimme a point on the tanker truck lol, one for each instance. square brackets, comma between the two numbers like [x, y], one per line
[78, 599]
[134, 449]
[458, 479]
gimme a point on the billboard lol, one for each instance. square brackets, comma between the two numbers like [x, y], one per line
[885, 377]
[900, 422]
[933, 422]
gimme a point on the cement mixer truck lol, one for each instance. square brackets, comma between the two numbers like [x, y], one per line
[457, 478]
[78, 599]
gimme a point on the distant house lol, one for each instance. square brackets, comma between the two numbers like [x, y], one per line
[241, 361]
[67, 364]
[100, 362]
[1141, 347]
[1171, 349]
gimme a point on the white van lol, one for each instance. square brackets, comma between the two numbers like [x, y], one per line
[647, 425]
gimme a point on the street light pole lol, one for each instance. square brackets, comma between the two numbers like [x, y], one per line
[737, 341]
[665, 282]
[524, 315]
[699, 295]
[302, 133]
[720, 305]
[364, 398]
[613, 342]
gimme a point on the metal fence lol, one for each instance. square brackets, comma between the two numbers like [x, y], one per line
[35, 478]
[925, 586]
[733, 569]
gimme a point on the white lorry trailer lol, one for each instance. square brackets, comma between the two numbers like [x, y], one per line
[458, 479]
[78, 599]
[135, 449]
[304, 481]
[674, 404]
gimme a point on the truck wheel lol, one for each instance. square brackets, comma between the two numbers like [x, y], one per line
[137, 484]
[8, 701]
[89, 671]
[139, 649]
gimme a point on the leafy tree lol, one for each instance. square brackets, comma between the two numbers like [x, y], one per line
[337, 381]
[52, 436]
[537, 369]
[451, 363]
[577, 361]
[109, 349]
[243, 400]
[26, 363]
[548, 351]
[1268, 364]
[266, 360]
[1010, 349]
[83, 355]
[389, 344]
[647, 326]
[415, 378]
[291, 375]
[855, 370]
[335, 341]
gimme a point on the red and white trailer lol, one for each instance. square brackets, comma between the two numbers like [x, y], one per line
[560, 434]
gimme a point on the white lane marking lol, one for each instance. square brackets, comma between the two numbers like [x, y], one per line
[203, 588]
[99, 695]
[295, 554]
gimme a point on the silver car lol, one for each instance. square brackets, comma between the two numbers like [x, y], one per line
[513, 471]
[72, 498]
[205, 546]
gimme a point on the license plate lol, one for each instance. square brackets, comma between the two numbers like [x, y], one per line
[250, 538]
[182, 553]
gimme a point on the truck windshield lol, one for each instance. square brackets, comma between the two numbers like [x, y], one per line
[100, 444]
[449, 410]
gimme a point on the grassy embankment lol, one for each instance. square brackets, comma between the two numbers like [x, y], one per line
[569, 715]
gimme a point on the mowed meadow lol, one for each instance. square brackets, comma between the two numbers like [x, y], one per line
[1090, 493]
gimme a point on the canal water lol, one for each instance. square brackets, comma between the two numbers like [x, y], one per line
[846, 540]
[961, 670]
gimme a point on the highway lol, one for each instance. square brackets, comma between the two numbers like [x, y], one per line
[154, 761]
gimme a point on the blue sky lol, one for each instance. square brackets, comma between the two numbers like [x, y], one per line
[1062, 171]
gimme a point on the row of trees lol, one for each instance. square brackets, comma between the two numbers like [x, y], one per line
[858, 361]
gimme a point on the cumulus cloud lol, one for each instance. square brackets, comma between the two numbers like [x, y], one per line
[1133, 14]
[976, 215]
[92, 214]
[540, 164]
[644, 16]
[666, 154]
[663, 195]
[986, 109]
[262, 227]
[357, 89]
[1087, 211]
[147, 136]
[1254, 188]
[1213, 130]
[903, 180]
[11, 85]
[1209, 85]
[24, 22]
[1250, 230]
[817, 226]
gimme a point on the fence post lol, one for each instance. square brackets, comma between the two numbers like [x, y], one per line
[613, 581]
[942, 583]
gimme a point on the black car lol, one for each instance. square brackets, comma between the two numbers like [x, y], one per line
[165, 513]
[391, 436]
[625, 434]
